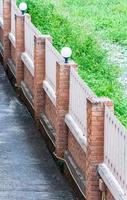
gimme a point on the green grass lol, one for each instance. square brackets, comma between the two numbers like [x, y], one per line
[106, 18]
[81, 24]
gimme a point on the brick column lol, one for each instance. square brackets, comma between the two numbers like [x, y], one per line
[95, 145]
[39, 75]
[62, 105]
[20, 48]
[6, 30]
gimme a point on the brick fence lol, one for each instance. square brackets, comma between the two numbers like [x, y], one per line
[72, 119]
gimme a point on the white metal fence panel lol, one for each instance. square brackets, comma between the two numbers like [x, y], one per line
[14, 10]
[30, 32]
[115, 148]
[79, 92]
[1, 10]
[52, 57]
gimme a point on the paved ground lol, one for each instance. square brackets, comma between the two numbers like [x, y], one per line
[27, 170]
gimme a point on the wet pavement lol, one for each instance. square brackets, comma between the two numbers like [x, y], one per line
[27, 170]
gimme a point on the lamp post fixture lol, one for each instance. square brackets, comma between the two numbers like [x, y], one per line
[23, 7]
[66, 52]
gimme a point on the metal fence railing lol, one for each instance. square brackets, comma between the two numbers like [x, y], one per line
[1, 12]
[79, 92]
[14, 10]
[115, 148]
[30, 32]
[51, 59]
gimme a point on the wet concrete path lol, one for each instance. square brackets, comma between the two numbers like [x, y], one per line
[27, 170]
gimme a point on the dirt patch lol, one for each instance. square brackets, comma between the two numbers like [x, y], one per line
[117, 55]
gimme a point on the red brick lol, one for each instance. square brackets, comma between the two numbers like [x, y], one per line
[6, 29]
[20, 48]
[62, 105]
[95, 146]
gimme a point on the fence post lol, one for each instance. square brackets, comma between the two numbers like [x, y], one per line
[39, 74]
[20, 47]
[1, 30]
[95, 144]
[62, 105]
[6, 30]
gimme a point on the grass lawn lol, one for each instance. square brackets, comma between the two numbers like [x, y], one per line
[82, 25]
[107, 19]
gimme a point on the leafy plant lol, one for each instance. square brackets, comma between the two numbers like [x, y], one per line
[94, 68]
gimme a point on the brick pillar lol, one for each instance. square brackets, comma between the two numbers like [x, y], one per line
[6, 30]
[20, 48]
[95, 146]
[39, 74]
[62, 105]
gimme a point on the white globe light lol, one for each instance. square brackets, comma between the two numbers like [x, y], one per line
[23, 6]
[66, 52]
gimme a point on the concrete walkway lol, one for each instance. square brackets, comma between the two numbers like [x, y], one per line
[27, 170]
